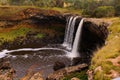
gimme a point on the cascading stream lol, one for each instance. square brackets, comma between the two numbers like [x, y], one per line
[72, 33]
[74, 52]
[69, 33]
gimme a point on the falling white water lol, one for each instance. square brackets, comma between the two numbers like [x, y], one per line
[74, 52]
[69, 33]
[72, 33]
[67, 41]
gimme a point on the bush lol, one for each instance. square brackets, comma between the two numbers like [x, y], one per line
[117, 10]
[104, 11]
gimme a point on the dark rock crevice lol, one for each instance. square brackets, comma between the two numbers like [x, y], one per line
[93, 37]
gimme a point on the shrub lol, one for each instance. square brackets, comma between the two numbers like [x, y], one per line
[86, 12]
[104, 11]
[117, 10]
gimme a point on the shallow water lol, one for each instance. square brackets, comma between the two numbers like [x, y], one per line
[31, 60]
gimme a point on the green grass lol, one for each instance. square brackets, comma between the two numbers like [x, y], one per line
[81, 75]
[65, 10]
[11, 35]
[110, 51]
[39, 35]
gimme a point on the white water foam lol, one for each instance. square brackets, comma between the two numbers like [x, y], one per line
[69, 33]
[6, 52]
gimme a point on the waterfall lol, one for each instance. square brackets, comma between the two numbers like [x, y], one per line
[68, 40]
[75, 52]
[65, 43]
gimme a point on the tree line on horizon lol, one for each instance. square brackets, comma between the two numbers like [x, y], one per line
[98, 8]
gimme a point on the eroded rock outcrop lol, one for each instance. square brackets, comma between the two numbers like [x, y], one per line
[97, 26]
[6, 71]
[32, 15]
[57, 75]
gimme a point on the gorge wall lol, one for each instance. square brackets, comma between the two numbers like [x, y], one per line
[94, 32]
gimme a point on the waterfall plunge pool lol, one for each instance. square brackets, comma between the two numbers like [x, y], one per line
[33, 60]
[27, 60]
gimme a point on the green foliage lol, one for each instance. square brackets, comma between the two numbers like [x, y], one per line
[11, 35]
[117, 10]
[82, 76]
[87, 6]
[104, 11]
[39, 35]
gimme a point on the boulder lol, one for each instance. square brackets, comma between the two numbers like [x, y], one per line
[74, 78]
[4, 64]
[57, 75]
[37, 76]
[97, 26]
[58, 65]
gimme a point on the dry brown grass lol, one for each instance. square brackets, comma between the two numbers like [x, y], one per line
[110, 50]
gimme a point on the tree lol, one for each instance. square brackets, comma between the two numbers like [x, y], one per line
[104, 11]
[4, 2]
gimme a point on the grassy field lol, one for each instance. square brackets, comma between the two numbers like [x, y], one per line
[105, 62]
[19, 30]
[66, 10]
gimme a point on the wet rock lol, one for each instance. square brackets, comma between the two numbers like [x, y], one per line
[58, 65]
[8, 74]
[4, 64]
[76, 60]
[57, 75]
[74, 78]
[6, 71]
[27, 76]
[90, 74]
[37, 76]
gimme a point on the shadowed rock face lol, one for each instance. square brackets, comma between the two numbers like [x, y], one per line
[57, 75]
[93, 36]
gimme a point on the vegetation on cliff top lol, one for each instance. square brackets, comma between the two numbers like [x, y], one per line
[105, 62]
[84, 7]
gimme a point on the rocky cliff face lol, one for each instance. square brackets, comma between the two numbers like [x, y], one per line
[94, 31]
[94, 35]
